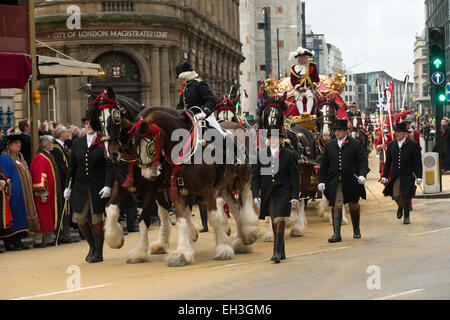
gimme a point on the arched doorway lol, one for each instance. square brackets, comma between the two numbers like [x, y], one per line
[120, 72]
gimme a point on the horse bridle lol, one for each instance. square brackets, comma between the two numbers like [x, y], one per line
[117, 112]
[150, 150]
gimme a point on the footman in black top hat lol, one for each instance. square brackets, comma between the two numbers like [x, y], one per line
[342, 176]
[403, 167]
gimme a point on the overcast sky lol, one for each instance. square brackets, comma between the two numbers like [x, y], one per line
[381, 31]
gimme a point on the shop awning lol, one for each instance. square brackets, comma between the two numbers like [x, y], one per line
[15, 71]
[50, 67]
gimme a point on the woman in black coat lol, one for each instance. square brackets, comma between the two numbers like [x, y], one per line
[92, 179]
[275, 187]
[342, 176]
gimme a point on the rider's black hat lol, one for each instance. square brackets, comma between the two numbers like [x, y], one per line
[183, 67]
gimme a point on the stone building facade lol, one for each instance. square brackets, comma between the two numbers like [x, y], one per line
[138, 44]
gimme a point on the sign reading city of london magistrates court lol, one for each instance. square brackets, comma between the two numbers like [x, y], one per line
[109, 35]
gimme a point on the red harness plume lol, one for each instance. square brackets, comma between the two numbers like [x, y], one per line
[106, 106]
[220, 106]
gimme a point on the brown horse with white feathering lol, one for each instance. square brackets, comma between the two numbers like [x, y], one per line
[174, 149]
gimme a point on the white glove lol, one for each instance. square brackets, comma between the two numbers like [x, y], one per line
[361, 180]
[384, 180]
[257, 201]
[67, 193]
[321, 187]
[105, 193]
[199, 116]
[293, 201]
[419, 181]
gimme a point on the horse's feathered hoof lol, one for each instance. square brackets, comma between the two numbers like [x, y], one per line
[251, 238]
[136, 260]
[158, 247]
[240, 248]
[178, 259]
[223, 252]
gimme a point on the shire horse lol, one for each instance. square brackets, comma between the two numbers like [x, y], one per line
[159, 158]
[112, 116]
[302, 141]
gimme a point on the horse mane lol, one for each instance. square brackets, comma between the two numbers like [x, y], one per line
[130, 103]
[159, 114]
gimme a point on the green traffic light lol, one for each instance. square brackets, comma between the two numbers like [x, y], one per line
[442, 97]
[437, 62]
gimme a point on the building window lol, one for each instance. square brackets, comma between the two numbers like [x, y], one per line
[262, 67]
[351, 98]
[281, 44]
[249, 77]
[261, 26]
[52, 103]
[279, 10]
[350, 88]
[247, 40]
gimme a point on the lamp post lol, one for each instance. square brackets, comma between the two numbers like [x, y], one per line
[278, 45]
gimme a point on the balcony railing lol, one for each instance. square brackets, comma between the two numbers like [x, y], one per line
[118, 6]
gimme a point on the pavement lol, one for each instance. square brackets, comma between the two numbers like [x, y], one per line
[392, 261]
[445, 189]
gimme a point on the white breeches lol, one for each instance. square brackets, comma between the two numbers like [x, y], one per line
[213, 123]
[309, 105]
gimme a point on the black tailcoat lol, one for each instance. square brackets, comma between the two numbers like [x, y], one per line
[197, 93]
[340, 165]
[62, 159]
[402, 162]
[89, 171]
[281, 186]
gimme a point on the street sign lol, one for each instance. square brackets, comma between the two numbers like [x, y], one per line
[447, 91]
[437, 78]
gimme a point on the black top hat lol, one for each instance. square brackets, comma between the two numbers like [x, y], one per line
[183, 67]
[14, 137]
[400, 126]
[86, 117]
[340, 124]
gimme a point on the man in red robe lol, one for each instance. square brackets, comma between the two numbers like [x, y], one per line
[47, 188]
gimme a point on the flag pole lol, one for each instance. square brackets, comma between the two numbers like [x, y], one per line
[380, 102]
[404, 93]
[390, 106]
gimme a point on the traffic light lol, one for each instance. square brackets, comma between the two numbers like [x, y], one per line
[438, 71]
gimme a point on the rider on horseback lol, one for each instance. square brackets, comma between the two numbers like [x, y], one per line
[304, 76]
[199, 100]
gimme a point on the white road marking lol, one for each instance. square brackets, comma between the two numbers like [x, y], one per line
[62, 292]
[428, 232]
[293, 256]
[399, 294]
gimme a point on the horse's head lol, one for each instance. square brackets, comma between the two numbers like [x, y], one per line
[272, 111]
[357, 120]
[109, 117]
[152, 139]
[326, 114]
